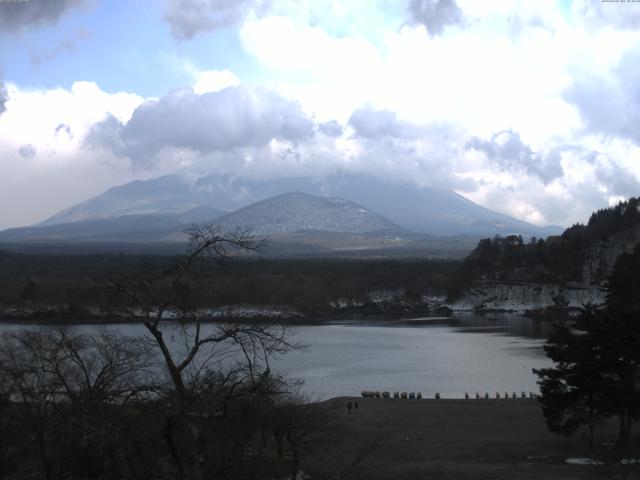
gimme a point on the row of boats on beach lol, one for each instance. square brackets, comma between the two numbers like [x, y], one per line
[418, 395]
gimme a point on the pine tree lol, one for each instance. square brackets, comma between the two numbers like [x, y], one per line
[572, 392]
[597, 357]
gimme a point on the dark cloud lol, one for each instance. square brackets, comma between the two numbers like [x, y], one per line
[507, 150]
[63, 127]
[27, 151]
[236, 117]
[611, 105]
[331, 128]
[16, 15]
[4, 98]
[188, 18]
[436, 15]
[106, 134]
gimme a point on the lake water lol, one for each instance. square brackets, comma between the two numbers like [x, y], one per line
[450, 356]
[466, 353]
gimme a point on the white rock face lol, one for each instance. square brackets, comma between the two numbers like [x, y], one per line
[520, 297]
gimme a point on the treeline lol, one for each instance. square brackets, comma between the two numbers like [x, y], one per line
[79, 281]
[558, 259]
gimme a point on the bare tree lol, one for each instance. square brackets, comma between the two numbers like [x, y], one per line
[62, 388]
[33, 391]
[238, 351]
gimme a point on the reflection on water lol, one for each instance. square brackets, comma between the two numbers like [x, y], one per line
[465, 353]
[505, 323]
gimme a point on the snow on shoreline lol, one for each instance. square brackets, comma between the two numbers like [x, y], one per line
[482, 297]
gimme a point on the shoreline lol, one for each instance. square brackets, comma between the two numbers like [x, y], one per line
[50, 315]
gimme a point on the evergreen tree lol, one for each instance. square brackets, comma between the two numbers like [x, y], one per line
[572, 392]
[597, 371]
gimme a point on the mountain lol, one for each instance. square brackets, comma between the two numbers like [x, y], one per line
[419, 209]
[308, 218]
[125, 228]
[170, 194]
[297, 212]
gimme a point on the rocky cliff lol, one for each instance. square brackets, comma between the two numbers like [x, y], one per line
[600, 258]
[492, 295]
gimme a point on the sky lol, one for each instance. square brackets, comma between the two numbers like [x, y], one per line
[528, 107]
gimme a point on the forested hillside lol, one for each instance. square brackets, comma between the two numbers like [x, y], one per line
[559, 259]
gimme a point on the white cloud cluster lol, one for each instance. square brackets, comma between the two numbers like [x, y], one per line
[221, 121]
[41, 150]
[525, 107]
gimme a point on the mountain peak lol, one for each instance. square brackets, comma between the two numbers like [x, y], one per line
[296, 212]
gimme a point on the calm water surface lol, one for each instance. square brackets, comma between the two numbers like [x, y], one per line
[467, 353]
[451, 356]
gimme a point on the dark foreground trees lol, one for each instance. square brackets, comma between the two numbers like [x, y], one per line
[93, 403]
[597, 357]
[188, 399]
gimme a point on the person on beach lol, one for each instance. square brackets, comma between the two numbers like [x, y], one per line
[355, 405]
[349, 407]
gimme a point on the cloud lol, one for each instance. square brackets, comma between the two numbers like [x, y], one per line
[27, 151]
[51, 124]
[373, 123]
[331, 128]
[4, 98]
[610, 103]
[235, 117]
[625, 15]
[435, 15]
[63, 127]
[615, 180]
[213, 80]
[188, 18]
[392, 147]
[507, 150]
[16, 15]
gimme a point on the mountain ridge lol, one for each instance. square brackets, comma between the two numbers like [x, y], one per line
[419, 209]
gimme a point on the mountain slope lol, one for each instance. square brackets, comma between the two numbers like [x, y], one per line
[420, 209]
[297, 212]
[125, 228]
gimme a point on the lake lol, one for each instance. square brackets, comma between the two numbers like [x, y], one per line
[465, 353]
[468, 353]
